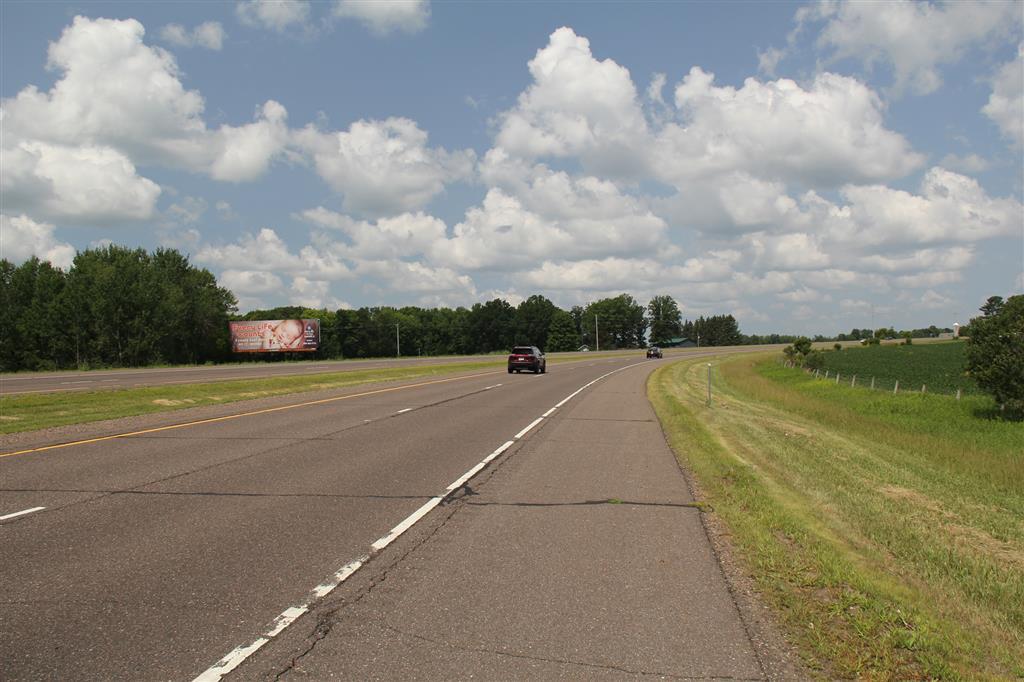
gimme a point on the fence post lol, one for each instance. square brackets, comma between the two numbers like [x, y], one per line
[837, 377]
[922, 389]
[709, 384]
[817, 373]
[958, 394]
[826, 374]
[872, 383]
[896, 388]
[853, 381]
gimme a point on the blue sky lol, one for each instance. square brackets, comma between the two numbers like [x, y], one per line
[807, 167]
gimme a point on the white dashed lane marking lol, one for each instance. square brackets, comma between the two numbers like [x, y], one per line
[23, 512]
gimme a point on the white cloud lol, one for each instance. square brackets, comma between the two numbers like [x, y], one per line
[655, 89]
[249, 282]
[311, 293]
[187, 211]
[503, 234]
[914, 38]
[828, 133]
[970, 163]
[796, 251]
[266, 252]
[209, 34]
[768, 60]
[277, 15]
[627, 273]
[804, 295]
[409, 16]
[416, 277]
[1006, 103]
[243, 153]
[117, 92]
[404, 236]
[930, 300]
[577, 106]
[953, 258]
[950, 208]
[21, 238]
[85, 185]
[384, 167]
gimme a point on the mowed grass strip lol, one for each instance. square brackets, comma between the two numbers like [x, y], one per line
[42, 410]
[941, 367]
[888, 533]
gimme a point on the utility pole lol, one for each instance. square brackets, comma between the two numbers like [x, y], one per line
[597, 334]
[398, 343]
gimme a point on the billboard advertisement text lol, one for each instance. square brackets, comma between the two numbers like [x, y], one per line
[268, 336]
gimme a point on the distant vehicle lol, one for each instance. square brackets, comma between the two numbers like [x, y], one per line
[654, 352]
[584, 349]
[527, 357]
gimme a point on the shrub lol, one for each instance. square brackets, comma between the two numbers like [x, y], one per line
[995, 351]
[838, 346]
[815, 360]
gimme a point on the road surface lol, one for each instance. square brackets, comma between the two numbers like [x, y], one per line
[481, 525]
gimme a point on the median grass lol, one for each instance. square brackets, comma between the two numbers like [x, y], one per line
[41, 410]
[887, 531]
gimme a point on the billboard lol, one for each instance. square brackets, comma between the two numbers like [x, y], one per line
[268, 336]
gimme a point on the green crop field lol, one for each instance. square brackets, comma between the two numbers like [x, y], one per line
[938, 366]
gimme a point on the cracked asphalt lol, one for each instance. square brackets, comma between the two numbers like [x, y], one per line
[579, 553]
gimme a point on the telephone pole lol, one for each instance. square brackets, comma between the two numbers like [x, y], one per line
[597, 334]
[398, 343]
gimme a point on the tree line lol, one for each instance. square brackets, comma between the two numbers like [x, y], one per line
[114, 307]
[122, 307]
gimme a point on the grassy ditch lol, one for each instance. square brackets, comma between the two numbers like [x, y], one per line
[41, 410]
[888, 532]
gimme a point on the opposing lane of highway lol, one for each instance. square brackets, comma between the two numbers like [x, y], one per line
[157, 554]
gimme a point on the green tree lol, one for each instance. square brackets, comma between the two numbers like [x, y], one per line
[995, 351]
[533, 320]
[562, 334]
[491, 326]
[665, 319]
[802, 346]
[617, 322]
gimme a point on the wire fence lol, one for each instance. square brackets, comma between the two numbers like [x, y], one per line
[869, 382]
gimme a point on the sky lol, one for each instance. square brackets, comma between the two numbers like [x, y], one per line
[805, 167]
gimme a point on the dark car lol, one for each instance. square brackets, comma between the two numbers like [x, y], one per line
[527, 357]
[653, 352]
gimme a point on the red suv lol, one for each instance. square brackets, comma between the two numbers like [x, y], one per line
[527, 357]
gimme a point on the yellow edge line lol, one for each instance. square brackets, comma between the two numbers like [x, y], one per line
[244, 414]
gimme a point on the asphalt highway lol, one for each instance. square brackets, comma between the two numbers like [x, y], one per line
[485, 524]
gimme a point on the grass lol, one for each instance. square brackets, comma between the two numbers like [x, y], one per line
[938, 366]
[887, 532]
[42, 410]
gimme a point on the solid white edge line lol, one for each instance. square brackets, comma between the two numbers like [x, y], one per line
[549, 412]
[230, 662]
[21, 513]
[408, 409]
[525, 431]
[406, 524]
[328, 586]
[291, 614]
